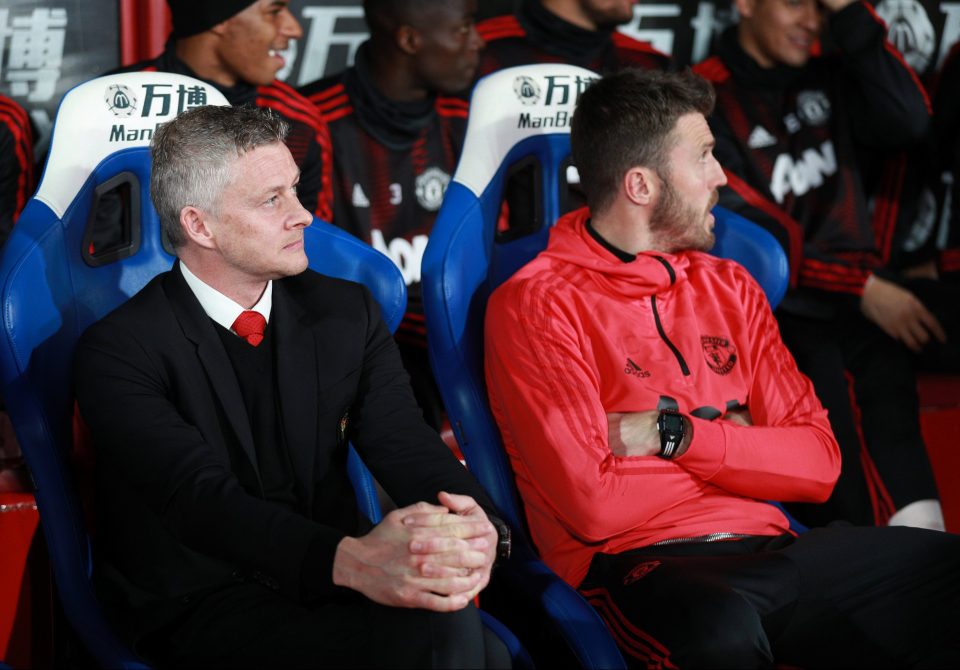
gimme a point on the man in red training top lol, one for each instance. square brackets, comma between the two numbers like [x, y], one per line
[650, 410]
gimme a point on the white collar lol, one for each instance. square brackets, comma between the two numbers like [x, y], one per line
[219, 307]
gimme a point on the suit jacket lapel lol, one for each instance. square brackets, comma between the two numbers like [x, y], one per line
[199, 330]
[297, 384]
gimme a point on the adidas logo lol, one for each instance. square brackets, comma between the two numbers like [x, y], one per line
[632, 368]
[760, 138]
[359, 197]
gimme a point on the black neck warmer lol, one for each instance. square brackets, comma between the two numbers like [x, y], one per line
[745, 69]
[396, 125]
[551, 33]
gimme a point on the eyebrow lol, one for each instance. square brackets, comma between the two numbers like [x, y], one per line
[280, 187]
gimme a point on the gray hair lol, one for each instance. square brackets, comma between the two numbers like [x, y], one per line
[193, 158]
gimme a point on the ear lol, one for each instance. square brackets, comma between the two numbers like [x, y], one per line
[745, 7]
[640, 185]
[194, 222]
[221, 28]
[408, 40]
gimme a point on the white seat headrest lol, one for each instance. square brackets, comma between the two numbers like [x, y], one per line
[512, 104]
[105, 115]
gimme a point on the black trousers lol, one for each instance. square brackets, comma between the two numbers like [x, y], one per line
[249, 626]
[843, 596]
[885, 390]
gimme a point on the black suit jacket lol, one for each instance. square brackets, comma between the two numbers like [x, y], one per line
[176, 515]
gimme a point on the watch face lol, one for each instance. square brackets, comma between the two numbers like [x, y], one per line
[670, 424]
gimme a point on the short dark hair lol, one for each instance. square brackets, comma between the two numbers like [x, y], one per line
[625, 120]
[192, 157]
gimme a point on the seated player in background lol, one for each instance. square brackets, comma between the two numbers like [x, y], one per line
[235, 46]
[577, 32]
[16, 163]
[397, 134]
[791, 130]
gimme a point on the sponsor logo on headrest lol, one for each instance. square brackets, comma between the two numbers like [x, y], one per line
[160, 102]
[120, 100]
[553, 90]
[526, 89]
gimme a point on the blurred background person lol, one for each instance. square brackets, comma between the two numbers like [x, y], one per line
[16, 163]
[790, 131]
[578, 32]
[397, 132]
[235, 45]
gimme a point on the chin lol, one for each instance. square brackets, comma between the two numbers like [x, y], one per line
[262, 77]
[456, 86]
[797, 58]
[708, 242]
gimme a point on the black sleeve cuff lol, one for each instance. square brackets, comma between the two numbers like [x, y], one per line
[316, 575]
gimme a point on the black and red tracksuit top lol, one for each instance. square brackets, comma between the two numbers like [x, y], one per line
[308, 139]
[535, 35]
[791, 141]
[942, 159]
[392, 163]
[16, 163]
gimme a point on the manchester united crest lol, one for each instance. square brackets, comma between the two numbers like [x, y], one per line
[430, 187]
[640, 571]
[720, 353]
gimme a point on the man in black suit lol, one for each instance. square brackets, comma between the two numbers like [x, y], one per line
[227, 526]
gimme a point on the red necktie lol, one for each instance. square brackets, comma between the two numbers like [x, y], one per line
[250, 325]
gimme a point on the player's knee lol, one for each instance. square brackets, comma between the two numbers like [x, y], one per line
[723, 631]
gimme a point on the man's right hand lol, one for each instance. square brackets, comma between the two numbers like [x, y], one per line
[409, 565]
[899, 313]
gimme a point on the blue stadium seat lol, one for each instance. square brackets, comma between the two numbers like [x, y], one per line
[517, 150]
[57, 277]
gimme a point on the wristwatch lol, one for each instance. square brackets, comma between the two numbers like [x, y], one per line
[504, 543]
[670, 425]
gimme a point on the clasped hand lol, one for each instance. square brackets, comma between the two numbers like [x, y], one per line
[435, 557]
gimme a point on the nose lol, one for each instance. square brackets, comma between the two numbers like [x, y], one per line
[476, 42]
[719, 176]
[299, 216]
[289, 26]
[811, 18]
